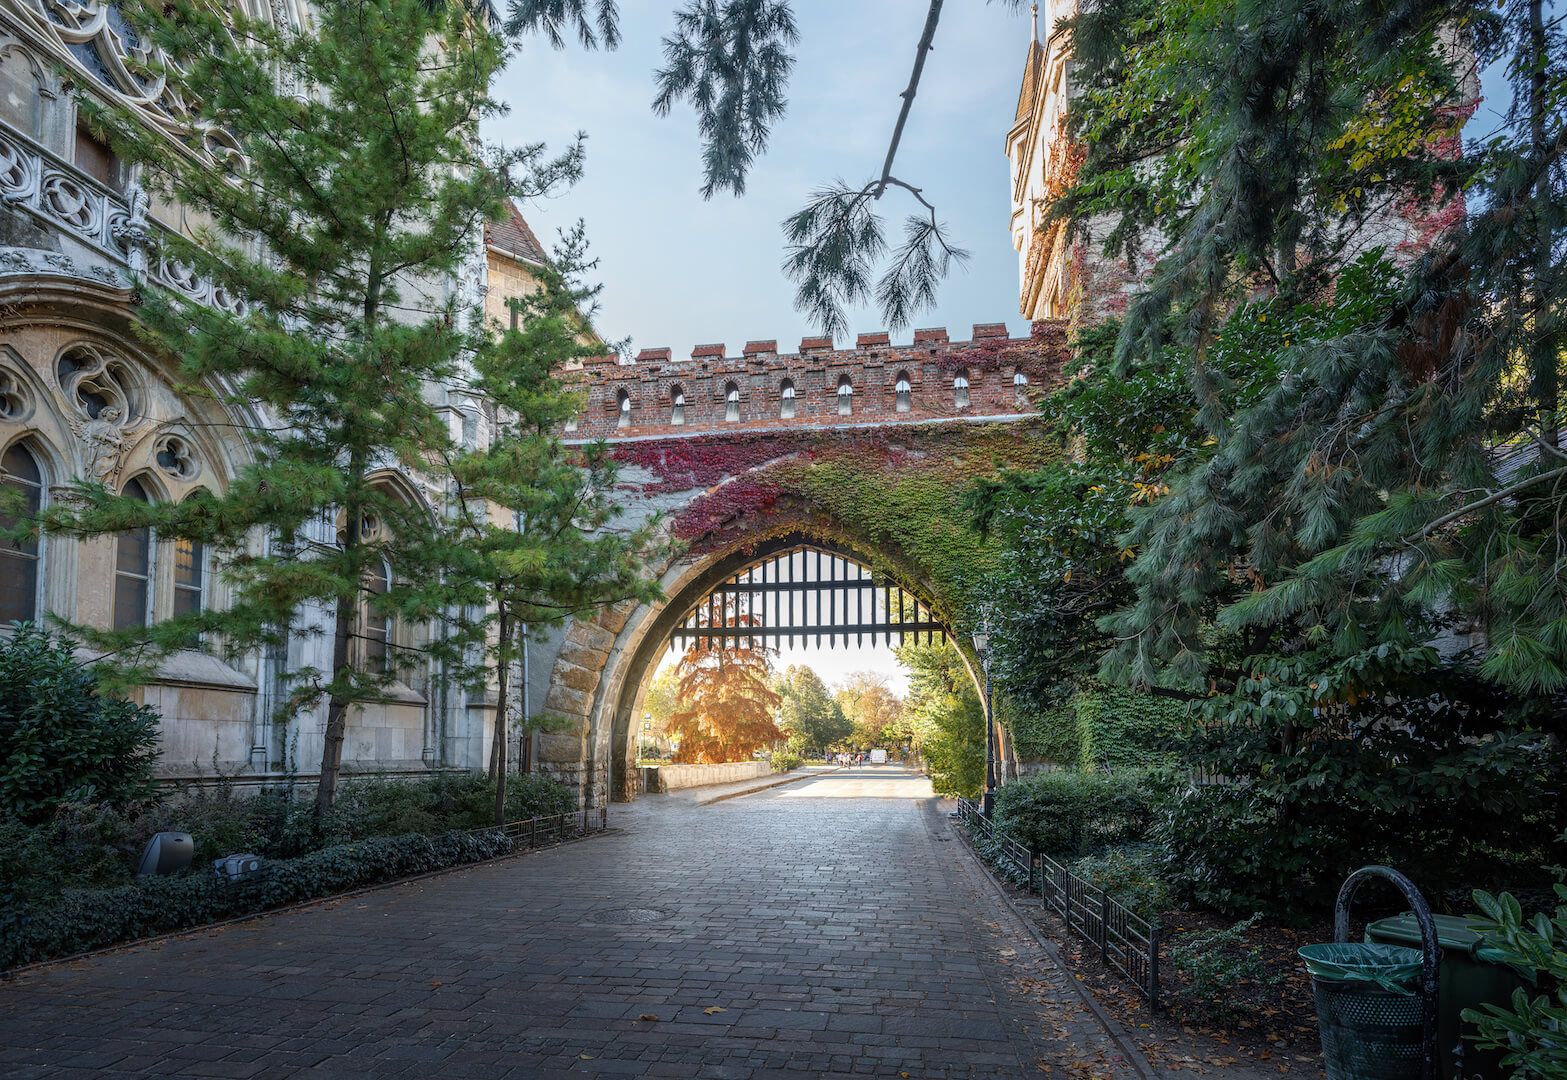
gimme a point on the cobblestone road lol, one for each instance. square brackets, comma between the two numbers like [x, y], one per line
[833, 927]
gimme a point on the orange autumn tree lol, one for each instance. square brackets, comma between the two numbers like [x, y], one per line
[724, 708]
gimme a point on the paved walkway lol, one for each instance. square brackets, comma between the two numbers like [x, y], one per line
[834, 927]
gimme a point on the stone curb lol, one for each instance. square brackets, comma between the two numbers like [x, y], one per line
[191, 931]
[763, 787]
[1122, 1039]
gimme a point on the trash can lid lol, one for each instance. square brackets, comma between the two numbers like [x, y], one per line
[1452, 931]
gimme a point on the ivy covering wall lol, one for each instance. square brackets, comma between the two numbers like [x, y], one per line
[1100, 728]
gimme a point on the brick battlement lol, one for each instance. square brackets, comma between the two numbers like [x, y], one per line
[712, 392]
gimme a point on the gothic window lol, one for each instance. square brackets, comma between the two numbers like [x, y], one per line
[374, 629]
[190, 572]
[623, 407]
[133, 569]
[677, 409]
[960, 398]
[1019, 379]
[786, 399]
[731, 402]
[571, 423]
[19, 559]
[845, 396]
[1020, 389]
[905, 394]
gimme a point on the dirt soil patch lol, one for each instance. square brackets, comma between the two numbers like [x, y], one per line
[1258, 1027]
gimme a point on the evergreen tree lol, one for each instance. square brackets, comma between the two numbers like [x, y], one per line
[1400, 477]
[357, 189]
[551, 552]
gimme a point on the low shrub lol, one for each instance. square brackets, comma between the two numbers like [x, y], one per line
[785, 761]
[81, 919]
[1130, 875]
[1074, 814]
[1225, 974]
[60, 739]
[536, 796]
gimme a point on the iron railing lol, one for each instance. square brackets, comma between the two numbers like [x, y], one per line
[553, 829]
[1126, 941]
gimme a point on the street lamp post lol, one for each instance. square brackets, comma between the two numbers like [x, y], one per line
[647, 723]
[982, 646]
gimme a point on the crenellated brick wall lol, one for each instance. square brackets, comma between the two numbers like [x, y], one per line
[990, 361]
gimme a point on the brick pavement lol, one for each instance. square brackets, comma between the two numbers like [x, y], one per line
[780, 935]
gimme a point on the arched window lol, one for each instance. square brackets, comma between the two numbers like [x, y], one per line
[677, 409]
[731, 402]
[373, 627]
[905, 393]
[623, 407]
[19, 559]
[960, 397]
[1020, 389]
[1019, 379]
[133, 570]
[845, 396]
[786, 399]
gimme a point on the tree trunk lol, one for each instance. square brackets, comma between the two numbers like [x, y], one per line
[1546, 389]
[498, 749]
[342, 658]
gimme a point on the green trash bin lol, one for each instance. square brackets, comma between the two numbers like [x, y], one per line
[1468, 977]
[1368, 1009]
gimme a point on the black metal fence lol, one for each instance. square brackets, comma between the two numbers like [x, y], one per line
[1126, 941]
[556, 828]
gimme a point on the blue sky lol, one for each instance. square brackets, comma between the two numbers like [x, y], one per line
[680, 271]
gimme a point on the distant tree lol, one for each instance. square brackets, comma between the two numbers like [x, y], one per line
[726, 706]
[874, 710]
[808, 713]
[947, 717]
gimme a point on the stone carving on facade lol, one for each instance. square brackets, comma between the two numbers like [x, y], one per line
[15, 402]
[105, 406]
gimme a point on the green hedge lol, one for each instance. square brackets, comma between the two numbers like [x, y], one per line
[1072, 814]
[81, 919]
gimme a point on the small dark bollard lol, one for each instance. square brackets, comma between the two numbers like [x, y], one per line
[1376, 1004]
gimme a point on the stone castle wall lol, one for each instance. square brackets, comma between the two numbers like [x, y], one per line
[934, 367]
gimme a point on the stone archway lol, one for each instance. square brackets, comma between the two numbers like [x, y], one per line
[603, 669]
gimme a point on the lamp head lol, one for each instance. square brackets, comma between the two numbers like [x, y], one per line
[981, 642]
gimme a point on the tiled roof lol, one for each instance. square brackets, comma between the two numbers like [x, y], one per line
[1033, 69]
[654, 354]
[515, 236]
[865, 341]
[707, 350]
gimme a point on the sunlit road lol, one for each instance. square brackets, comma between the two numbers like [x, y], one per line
[830, 927]
[862, 782]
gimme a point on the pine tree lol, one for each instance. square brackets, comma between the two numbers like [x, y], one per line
[553, 554]
[355, 190]
[1400, 475]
